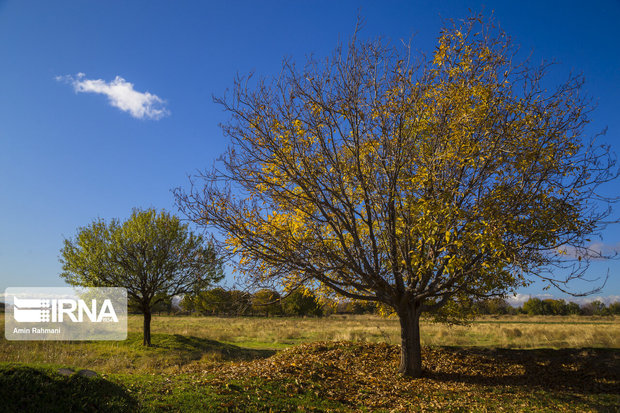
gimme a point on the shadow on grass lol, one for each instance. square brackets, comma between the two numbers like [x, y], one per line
[195, 347]
[583, 371]
[27, 389]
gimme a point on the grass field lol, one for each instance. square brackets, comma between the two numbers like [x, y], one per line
[338, 363]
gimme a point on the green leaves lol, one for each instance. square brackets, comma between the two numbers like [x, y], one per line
[152, 254]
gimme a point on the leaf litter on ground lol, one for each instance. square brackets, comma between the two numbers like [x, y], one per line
[365, 376]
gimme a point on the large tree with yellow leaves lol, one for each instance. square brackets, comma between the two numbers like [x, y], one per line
[411, 182]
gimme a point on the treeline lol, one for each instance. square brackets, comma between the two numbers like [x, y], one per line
[548, 306]
[219, 301]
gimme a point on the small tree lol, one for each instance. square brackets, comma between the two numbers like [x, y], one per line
[153, 255]
[163, 305]
[556, 307]
[533, 306]
[241, 301]
[266, 302]
[614, 308]
[188, 303]
[212, 301]
[495, 305]
[595, 307]
[573, 308]
[416, 183]
[301, 303]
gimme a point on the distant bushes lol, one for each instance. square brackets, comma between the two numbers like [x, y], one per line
[301, 304]
[549, 306]
[493, 306]
[266, 302]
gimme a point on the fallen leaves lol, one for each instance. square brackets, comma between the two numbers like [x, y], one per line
[364, 375]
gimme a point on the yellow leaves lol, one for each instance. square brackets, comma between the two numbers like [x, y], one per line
[441, 52]
[316, 109]
[375, 113]
[435, 159]
[368, 149]
[485, 53]
[275, 126]
[297, 125]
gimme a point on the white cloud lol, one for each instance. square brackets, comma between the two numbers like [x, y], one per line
[609, 299]
[605, 250]
[121, 94]
[594, 251]
[519, 299]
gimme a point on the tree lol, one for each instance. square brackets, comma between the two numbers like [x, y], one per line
[267, 302]
[534, 306]
[614, 308]
[413, 182]
[163, 305]
[241, 301]
[188, 303]
[595, 307]
[153, 255]
[573, 308]
[495, 305]
[301, 303]
[211, 301]
[359, 307]
[555, 307]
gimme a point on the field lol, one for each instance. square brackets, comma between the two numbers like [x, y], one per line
[337, 363]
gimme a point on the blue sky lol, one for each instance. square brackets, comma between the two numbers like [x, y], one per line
[67, 157]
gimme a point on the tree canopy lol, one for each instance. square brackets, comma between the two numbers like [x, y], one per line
[153, 255]
[412, 181]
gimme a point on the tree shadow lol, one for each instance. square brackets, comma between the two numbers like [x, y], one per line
[27, 389]
[583, 371]
[196, 347]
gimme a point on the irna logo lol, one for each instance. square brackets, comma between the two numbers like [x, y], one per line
[65, 313]
[53, 310]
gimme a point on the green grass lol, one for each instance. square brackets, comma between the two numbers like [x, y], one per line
[262, 364]
[339, 377]
[187, 393]
[41, 389]
[169, 352]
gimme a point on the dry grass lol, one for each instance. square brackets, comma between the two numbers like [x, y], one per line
[505, 332]
[183, 341]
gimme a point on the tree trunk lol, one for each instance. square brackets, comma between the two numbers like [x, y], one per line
[147, 329]
[410, 349]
